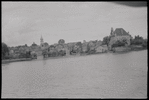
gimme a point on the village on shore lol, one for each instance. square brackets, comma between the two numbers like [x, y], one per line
[118, 41]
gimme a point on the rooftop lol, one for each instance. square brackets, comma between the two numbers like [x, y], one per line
[120, 32]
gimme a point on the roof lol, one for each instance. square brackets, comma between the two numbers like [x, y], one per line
[120, 32]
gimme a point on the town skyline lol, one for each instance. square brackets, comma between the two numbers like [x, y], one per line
[24, 23]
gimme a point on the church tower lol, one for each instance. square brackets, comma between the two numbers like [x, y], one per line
[41, 41]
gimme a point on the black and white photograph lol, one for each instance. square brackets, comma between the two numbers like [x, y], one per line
[74, 49]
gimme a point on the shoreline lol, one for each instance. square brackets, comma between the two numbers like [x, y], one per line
[16, 60]
[67, 56]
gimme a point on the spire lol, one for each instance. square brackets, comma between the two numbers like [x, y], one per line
[41, 40]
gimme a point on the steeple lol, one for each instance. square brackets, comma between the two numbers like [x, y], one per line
[41, 41]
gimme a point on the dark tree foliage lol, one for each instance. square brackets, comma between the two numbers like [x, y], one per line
[61, 41]
[106, 40]
[46, 44]
[22, 55]
[25, 45]
[34, 44]
[4, 51]
[79, 44]
[144, 44]
[138, 40]
[28, 54]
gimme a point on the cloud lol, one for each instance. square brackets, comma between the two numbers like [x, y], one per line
[133, 3]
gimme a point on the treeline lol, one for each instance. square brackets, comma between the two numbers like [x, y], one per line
[6, 53]
[138, 40]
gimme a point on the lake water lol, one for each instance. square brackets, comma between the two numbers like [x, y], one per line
[95, 76]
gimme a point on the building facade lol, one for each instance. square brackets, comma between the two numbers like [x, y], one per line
[119, 34]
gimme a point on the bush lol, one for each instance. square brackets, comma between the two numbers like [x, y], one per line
[137, 40]
[106, 40]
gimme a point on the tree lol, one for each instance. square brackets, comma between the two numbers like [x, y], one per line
[61, 41]
[46, 44]
[144, 44]
[106, 40]
[25, 45]
[28, 54]
[84, 41]
[34, 44]
[22, 55]
[138, 40]
[5, 50]
[79, 44]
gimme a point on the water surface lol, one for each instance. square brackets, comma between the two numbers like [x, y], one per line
[96, 76]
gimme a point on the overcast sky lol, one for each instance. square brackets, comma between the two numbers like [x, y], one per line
[25, 22]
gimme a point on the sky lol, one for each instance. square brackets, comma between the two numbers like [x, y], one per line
[25, 22]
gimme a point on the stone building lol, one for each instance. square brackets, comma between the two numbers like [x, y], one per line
[119, 34]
